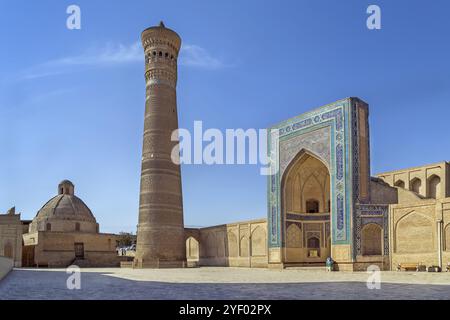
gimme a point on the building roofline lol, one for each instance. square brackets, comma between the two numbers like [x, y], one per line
[412, 168]
[231, 224]
[311, 111]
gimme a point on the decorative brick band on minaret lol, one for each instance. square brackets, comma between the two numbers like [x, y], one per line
[160, 237]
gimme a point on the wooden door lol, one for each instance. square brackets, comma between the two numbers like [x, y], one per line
[79, 250]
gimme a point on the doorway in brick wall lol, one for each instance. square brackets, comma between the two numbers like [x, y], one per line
[79, 250]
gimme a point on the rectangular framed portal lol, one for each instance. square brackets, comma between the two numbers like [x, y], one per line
[332, 134]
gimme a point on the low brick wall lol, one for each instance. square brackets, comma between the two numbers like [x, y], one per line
[6, 266]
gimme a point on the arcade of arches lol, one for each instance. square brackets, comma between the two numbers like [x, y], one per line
[419, 222]
[242, 244]
[418, 228]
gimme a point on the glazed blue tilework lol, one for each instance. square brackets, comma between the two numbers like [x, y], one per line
[336, 116]
[318, 217]
[371, 213]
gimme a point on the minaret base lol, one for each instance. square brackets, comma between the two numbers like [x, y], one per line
[158, 264]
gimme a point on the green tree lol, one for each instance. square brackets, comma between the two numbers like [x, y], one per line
[126, 239]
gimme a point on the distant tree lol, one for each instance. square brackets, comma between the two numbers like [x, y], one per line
[126, 239]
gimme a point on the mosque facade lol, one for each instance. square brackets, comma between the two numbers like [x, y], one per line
[322, 200]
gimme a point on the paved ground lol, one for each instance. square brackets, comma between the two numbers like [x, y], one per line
[221, 283]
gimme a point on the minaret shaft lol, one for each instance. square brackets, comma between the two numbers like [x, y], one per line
[160, 238]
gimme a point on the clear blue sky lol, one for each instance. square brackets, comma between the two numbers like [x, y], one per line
[72, 102]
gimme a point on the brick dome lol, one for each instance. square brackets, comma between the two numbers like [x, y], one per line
[64, 212]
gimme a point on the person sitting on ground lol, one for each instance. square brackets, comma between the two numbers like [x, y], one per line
[329, 264]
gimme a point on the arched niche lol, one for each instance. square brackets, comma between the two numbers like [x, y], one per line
[306, 185]
[192, 248]
[305, 195]
[259, 242]
[415, 185]
[400, 184]
[434, 187]
[372, 240]
[414, 233]
[233, 245]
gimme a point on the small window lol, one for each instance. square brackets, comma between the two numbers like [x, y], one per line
[313, 242]
[48, 227]
[166, 55]
[312, 206]
[77, 226]
[160, 53]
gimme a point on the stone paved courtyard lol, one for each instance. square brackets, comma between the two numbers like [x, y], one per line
[221, 283]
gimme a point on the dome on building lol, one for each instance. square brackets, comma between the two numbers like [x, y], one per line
[64, 212]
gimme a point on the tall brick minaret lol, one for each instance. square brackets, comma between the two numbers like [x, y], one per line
[160, 237]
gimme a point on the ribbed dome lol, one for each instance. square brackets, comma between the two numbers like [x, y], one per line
[65, 213]
[67, 207]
